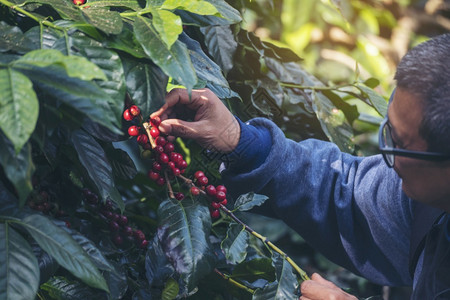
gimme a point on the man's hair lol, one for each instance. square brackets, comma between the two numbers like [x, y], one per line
[425, 72]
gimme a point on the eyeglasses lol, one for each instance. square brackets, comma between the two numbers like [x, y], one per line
[389, 149]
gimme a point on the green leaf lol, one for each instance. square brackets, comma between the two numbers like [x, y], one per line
[121, 163]
[196, 6]
[183, 230]
[131, 4]
[377, 101]
[93, 158]
[285, 285]
[175, 62]
[75, 66]
[60, 288]
[207, 69]
[104, 19]
[221, 45]
[146, 84]
[235, 243]
[229, 15]
[19, 107]
[84, 96]
[168, 25]
[111, 65]
[248, 201]
[9, 206]
[64, 249]
[372, 82]
[12, 38]
[45, 38]
[19, 269]
[17, 167]
[65, 8]
[170, 290]
[258, 268]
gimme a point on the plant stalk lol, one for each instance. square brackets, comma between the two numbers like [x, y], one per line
[234, 282]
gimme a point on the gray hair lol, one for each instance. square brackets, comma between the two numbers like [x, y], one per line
[425, 72]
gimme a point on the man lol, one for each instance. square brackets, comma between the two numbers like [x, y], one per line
[385, 220]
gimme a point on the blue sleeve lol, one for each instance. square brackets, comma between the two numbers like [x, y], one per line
[349, 208]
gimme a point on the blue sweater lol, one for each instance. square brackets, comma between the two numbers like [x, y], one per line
[351, 209]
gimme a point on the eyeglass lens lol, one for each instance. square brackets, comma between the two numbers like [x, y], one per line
[388, 142]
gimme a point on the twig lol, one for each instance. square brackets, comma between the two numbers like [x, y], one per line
[231, 280]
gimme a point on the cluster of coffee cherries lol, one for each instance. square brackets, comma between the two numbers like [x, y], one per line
[168, 164]
[217, 194]
[122, 234]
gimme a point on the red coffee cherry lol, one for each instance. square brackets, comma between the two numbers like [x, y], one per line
[179, 196]
[159, 149]
[215, 205]
[143, 244]
[220, 196]
[161, 181]
[156, 121]
[203, 180]
[215, 213]
[113, 226]
[169, 147]
[154, 132]
[182, 164]
[224, 202]
[211, 190]
[139, 235]
[163, 158]
[199, 174]
[123, 220]
[127, 116]
[133, 130]
[128, 231]
[153, 175]
[134, 110]
[160, 140]
[221, 188]
[142, 139]
[78, 2]
[176, 172]
[195, 191]
[156, 166]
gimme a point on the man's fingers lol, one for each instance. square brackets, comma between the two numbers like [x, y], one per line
[177, 127]
[181, 96]
[320, 279]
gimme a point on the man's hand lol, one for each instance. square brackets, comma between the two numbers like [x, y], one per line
[319, 288]
[212, 126]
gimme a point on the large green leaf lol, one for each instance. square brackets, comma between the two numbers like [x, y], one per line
[285, 285]
[111, 65]
[19, 107]
[84, 96]
[168, 25]
[221, 45]
[257, 268]
[75, 66]
[62, 247]
[44, 38]
[17, 167]
[207, 69]
[19, 270]
[175, 62]
[229, 15]
[199, 7]
[93, 158]
[235, 243]
[12, 38]
[146, 84]
[104, 19]
[248, 201]
[9, 206]
[183, 229]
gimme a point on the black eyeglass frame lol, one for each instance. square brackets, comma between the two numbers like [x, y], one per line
[385, 150]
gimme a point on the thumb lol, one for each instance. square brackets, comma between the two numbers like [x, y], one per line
[180, 128]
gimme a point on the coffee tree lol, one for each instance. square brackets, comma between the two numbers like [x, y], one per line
[95, 203]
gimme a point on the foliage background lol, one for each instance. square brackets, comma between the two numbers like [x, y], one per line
[66, 74]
